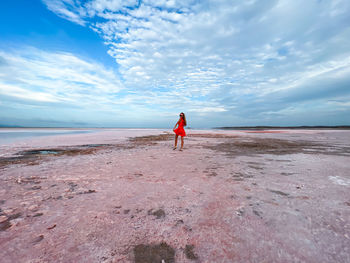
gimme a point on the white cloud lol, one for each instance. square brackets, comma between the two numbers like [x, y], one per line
[67, 9]
[62, 83]
[109, 5]
[39, 76]
[14, 91]
[208, 109]
[217, 53]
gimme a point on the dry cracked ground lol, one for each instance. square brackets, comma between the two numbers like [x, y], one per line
[228, 197]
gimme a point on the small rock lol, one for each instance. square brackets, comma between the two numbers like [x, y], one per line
[38, 239]
[9, 211]
[187, 229]
[51, 227]
[14, 216]
[5, 225]
[240, 212]
[279, 192]
[3, 219]
[257, 213]
[36, 187]
[87, 192]
[72, 185]
[179, 222]
[25, 203]
[33, 208]
[38, 214]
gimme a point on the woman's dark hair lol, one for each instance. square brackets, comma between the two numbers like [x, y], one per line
[184, 118]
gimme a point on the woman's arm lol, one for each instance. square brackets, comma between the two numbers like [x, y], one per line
[176, 124]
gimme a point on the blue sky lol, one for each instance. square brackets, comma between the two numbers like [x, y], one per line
[114, 63]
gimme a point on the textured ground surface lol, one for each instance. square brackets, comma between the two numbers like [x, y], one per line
[230, 196]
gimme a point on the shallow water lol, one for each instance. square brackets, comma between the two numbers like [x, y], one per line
[15, 134]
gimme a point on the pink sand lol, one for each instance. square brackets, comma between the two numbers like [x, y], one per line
[286, 208]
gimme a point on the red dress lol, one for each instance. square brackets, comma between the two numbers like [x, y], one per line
[180, 129]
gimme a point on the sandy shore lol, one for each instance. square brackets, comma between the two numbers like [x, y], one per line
[126, 196]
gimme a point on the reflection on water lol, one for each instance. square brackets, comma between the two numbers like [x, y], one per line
[11, 135]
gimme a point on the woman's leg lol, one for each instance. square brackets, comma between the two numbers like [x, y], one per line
[182, 143]
[176, 141]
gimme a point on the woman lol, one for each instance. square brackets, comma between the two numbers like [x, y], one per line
[180, 130]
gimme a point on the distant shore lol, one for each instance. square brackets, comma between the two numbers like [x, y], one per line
[340, 127]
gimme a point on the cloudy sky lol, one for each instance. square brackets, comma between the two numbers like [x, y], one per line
[139, 63]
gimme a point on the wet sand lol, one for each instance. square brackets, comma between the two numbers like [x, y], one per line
[126, 196]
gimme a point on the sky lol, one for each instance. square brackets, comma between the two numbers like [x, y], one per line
[139, 63]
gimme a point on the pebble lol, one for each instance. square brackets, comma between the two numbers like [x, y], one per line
[38, 239]
[3, 219]
[52, 227]
[9, 211]
[38, 214]
[33, 208]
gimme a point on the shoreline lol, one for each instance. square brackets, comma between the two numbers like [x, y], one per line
[40, 133]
